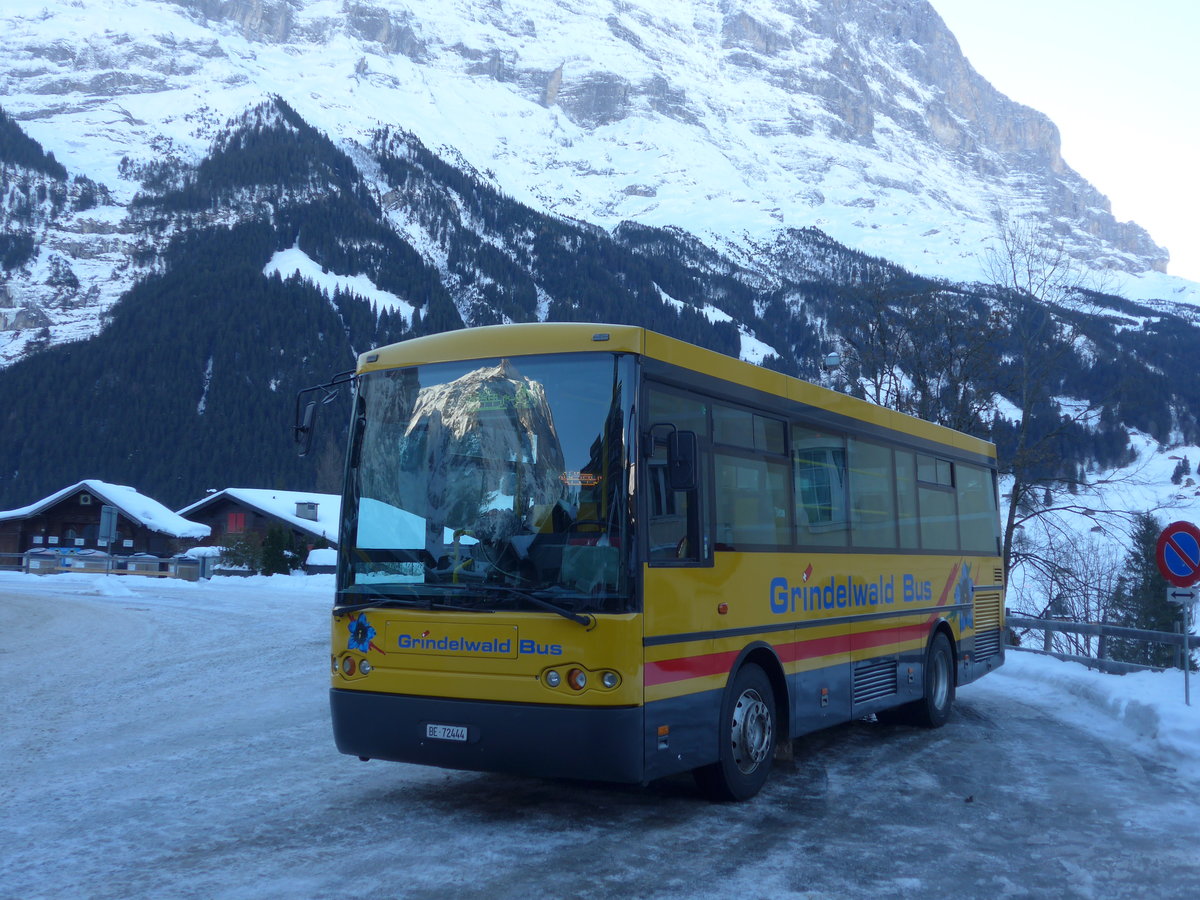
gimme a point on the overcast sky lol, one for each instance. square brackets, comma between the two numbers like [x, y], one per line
[1121, 79]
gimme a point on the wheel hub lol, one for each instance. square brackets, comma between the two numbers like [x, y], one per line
[753, 731]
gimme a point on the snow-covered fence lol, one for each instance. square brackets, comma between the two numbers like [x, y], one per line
[1102, 631]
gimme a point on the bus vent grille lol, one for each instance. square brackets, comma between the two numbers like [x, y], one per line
[999, 576]
[875, 680]
[987, 644]
[987, 624]
[987, 610]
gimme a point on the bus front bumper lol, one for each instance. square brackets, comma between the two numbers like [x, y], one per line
[599, 743]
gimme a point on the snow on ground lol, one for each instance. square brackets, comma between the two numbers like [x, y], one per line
[171, 739]
[1147, 710]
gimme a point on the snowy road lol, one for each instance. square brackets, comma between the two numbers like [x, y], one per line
[163, 739]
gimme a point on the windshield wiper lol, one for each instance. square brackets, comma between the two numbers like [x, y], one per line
[379, 600]
[427, 601]
[585, 620]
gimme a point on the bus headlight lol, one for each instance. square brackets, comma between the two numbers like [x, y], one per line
[610, 679]
[348, 666]
[553, 678]
[365, 667]
[577, 679]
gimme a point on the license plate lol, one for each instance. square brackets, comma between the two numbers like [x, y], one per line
[446, 732]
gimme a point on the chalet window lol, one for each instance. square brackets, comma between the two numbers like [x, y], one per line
[85, 499]
[236, 523]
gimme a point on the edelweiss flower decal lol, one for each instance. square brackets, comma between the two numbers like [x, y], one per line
[361, 633]
[964, 591]
[964, 596]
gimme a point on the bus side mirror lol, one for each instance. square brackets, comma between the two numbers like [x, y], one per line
[682, 455]
[306, 414]
[303, 430]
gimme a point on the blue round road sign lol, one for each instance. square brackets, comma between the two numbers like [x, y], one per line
[1178, 554]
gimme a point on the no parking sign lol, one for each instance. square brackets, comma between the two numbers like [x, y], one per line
[1178, 554]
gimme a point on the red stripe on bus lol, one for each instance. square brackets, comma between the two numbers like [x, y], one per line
[814, 648]
[682, 668]
[950, 583]
[665, 671]
[891, 635]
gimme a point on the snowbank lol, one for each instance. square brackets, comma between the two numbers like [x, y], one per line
[1145, 709]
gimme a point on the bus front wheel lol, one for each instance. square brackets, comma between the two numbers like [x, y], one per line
[747, 739]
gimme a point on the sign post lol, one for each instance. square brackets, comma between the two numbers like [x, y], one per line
[108, 532]
[1187, 653]
[1178, 556]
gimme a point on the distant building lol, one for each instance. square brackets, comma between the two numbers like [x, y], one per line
[238, 513]
[68, 522]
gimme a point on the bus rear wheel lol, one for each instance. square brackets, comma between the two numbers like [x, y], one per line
[933, 709]
[747, 739]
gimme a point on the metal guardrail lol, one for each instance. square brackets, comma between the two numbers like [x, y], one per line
[1102, 631]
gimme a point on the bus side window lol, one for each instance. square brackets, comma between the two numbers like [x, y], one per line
[819, 470]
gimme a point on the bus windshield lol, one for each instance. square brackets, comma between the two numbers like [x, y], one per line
[491, 484]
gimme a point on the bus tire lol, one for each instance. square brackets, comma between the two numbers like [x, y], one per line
[932, 710]
[747, 735]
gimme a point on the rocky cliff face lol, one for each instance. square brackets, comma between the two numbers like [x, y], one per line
[737, 120]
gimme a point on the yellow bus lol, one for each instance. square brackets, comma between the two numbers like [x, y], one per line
[594, 551]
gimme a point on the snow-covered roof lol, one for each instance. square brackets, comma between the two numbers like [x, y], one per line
[136, 507]
[282, 505]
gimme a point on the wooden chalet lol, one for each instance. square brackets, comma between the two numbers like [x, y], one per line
[236, 514]
[69, 522]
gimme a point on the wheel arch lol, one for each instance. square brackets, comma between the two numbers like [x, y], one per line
[764, 656]
[943, 627]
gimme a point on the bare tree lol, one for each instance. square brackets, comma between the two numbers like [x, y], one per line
[925, 353]
[876, 352]
[1072, 576]
[1044, 294]
[960, 360]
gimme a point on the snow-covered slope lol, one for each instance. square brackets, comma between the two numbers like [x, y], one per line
[734, 119]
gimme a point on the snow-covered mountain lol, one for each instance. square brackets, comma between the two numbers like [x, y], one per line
[736, 120]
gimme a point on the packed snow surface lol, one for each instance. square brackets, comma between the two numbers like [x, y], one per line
[170, 739]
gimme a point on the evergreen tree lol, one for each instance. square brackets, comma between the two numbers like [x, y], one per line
[20, 149]
[278, 552]
[245, 552]
[1141, 600]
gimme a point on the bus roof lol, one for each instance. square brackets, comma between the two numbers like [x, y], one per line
[574, 337]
